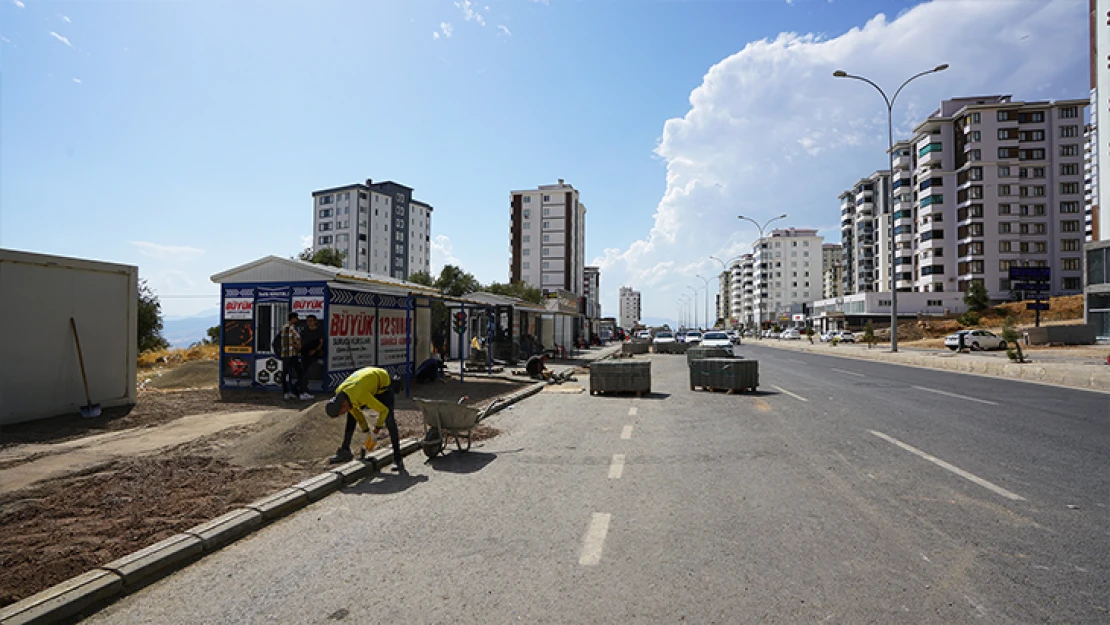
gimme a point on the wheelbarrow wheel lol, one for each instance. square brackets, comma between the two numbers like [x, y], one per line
[433, 443]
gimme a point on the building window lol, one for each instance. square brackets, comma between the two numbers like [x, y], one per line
[1003, 227]
[1031, 135]
[1070, 284]
[526, 265]
[546, 251]
[1069, 225]
[1069, 149]
[324, 240]
[1005, 116]
[527, 252]
[1067, 132]
[546, 225]
[1007, 152]
[1069, 169]
[1069, 245]
[1069, 264]
[1003, 171]
[546, 238]
[1004, 246]
[325, 212]
[527, 238]
[527, 213]
[324, 227]
[1007, 133]
[1069, 207]
[932, 147]
[547, 198]
[973, 118]
[975, 155]
[976, 136]
[1069, 188]
[527, 199]
[1069, 112]
[527, 225]
[327, 199]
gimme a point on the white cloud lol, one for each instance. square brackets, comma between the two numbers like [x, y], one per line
[442, 253]
[77, 80]
[171, 253]
[66, 18]
[6, 40]
[447, 29]
[19, 4]
[505, 30]
[469, 12]
[770, 130]
[306, 241]
[61, 38]
[541, 1]
[435, 35]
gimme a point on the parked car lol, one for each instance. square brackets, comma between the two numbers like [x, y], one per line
[828, 336]
[975, 340]
[663, 337]
[716, 339]
[770, 334]
[846, 336]
[791, 334]
[733, 336]
[693, 336]
[644, 334]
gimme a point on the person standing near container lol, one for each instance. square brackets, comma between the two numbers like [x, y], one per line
[369, 387]
[291, 361]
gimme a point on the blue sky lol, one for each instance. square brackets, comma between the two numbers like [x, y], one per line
[185, 137]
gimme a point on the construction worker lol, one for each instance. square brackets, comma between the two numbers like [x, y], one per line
[373, 388]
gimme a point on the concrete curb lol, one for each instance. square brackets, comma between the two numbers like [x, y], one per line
[1086, 377]
[103, 584]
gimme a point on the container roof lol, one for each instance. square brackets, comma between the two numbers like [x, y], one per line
[278, 269]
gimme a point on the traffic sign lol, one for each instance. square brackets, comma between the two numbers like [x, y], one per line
[1030, 273]
[1029, 286]
[1036, 306]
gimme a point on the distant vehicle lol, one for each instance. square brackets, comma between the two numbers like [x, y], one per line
[663, 337]
[606, 334]
[733, 336]
[975, 340]
[643, 334]
[791, 334]
[693, 336]
[716, 339]
[770, 334]
[844, 336]
[828, 336]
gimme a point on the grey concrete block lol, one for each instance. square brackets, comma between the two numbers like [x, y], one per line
[227, 528]
[353, 471]
[137, 567]
[63, 600]
[280, 503]
[320, 486]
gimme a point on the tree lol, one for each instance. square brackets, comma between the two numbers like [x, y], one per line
[422, 277]
[518, 290]
[455, 282]
[869, 334]
[213, 336]
[1012, 338]
[976, 299]
[150, 320]
[324, 256]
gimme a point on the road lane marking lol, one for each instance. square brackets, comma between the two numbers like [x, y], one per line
[595, 540]
[954, 469]
[627, 432]
[616, 468]
[632, 411]
[848, 372]
[957, 396]
[798, 361]
[782, 390]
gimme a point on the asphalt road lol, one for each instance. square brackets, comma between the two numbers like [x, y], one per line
[844, 491]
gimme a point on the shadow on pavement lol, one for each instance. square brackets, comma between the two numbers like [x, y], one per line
[652, 395]
[386, 483]
[461, 462]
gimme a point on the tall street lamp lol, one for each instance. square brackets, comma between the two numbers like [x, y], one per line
[683, 316]
[706, 281]
[695, 299]
[761, 227]
[890, 185]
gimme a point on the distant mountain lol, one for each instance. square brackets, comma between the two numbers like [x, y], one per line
[184, 331]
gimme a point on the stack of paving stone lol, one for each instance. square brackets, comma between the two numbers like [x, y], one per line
[614, 376]
[731, 374]
[635, 347]
[671, 348]
[697, 352]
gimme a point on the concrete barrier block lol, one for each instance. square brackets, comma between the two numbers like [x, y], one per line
[227, 528]
[319, 486]
[353, 471]
[63, 600]
[137, 567]
[280, 503]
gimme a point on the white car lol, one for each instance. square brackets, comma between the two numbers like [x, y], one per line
[716, 339]
[791, 334]
[844, 336]
[663, 337]
[733, 336]
[693, 336]
[643, 334]
[975, 340]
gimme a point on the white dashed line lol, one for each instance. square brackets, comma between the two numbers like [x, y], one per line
[632, 411]
[627, 432]
[848, 372]
[956, 395]
[595, 540]
[944, 465]
[782, 390]
[616, 468]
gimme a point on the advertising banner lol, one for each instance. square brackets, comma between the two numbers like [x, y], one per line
[309, 305]
[391, 337]
[351, 340]
[236, 370]
[267, 371]
[238, 336]
[269, 295]
[239, 308]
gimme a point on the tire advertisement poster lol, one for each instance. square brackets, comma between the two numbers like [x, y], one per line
[351, 340]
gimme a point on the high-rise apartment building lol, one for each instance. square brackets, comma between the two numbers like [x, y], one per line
[630, 313]
[831, 256]
[787, 272]
[742, 284]
[548, 238]
[379, 226]
[864, 223]
[591, 294]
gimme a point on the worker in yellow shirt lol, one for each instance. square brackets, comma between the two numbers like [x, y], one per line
[371, 388]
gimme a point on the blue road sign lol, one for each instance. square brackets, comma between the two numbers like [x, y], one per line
[1036, 306]
[1030, 273]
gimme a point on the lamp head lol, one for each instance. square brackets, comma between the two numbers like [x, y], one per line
[840, 74]
[941, 67]
[782, 216]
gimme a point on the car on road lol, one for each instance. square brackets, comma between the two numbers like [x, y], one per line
[693, 336]
[828, 336]
[643, 334]
[716, 339]
[845, 336]
[975, 340]
[733, 336]
[663, 337]
[770, 334]
[791, 334]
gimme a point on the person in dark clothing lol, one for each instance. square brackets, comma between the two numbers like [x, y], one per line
[430, 370]
[291, 361]
[536, 368]
[312, 345]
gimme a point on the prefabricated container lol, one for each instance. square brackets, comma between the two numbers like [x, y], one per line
[635, 348]
[613, 376]
[732, 374]
[697, 352]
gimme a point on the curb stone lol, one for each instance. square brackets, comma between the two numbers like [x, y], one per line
[99, 586]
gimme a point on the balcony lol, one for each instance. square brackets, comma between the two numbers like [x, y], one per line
[903, 162]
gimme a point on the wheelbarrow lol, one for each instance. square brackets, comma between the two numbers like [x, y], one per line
[443, 419]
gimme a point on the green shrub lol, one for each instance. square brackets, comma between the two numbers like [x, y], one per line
[969, 318]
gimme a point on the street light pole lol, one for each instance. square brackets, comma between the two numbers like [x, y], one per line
[762, 227]
[695, 300]
[890, 184]
[706, 300]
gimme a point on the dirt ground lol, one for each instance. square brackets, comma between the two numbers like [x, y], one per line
[63, 527]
